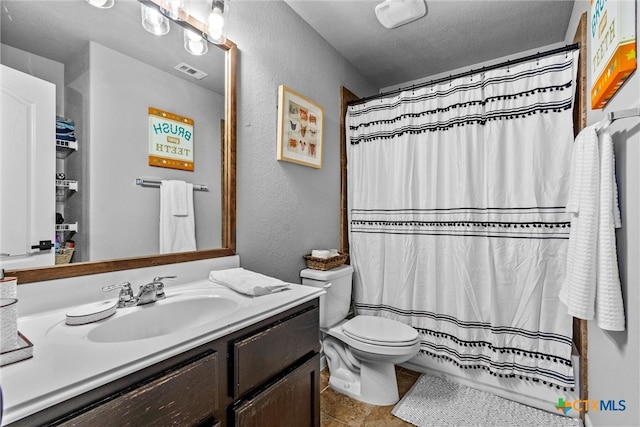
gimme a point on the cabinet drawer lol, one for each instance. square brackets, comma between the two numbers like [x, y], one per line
[291, 401]
[182, 397]
[264, 354]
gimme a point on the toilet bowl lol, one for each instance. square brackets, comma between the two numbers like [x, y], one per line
[361, 352]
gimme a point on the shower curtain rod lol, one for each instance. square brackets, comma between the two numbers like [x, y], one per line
[507, 63]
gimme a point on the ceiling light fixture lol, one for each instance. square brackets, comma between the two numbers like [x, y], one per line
[101, 4]
[153, 21]
[393, 13]
[194, 44]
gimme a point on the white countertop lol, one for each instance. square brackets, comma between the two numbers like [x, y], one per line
[66, 363]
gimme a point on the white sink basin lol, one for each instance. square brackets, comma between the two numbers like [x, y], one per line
[163, 317]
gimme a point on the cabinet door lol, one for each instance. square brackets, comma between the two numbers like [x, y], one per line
[186, 396]
[264, 354]
[291, 401]
[27, 168]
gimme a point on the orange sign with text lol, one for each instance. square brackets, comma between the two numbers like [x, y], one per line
[613, 52]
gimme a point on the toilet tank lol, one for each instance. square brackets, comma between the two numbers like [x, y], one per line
[334, 305]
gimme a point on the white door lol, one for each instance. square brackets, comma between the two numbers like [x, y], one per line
[27, 169]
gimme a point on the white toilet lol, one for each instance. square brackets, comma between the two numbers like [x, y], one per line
[361, 352]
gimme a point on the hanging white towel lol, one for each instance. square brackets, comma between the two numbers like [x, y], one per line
[609, 306]
[592, 286]
[179, 198]
[177, 220]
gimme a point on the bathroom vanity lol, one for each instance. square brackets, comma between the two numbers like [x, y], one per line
[255, 365]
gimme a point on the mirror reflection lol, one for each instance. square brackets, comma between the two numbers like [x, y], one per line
[111, 76]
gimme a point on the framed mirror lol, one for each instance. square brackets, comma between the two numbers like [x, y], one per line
[119, 231]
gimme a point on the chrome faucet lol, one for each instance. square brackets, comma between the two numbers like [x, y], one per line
[125, 298]
[151, 292]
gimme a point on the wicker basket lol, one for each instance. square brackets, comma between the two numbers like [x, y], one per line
[64, 257]
[325, 263]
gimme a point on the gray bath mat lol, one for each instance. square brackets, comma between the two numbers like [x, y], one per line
[437, 402]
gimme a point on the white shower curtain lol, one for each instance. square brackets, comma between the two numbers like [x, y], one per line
[458, 227]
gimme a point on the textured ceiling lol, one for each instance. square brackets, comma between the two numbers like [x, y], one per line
[453, 34]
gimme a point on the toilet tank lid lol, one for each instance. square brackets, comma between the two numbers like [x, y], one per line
[325, 275]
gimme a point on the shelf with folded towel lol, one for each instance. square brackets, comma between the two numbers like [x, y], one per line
[147, 182]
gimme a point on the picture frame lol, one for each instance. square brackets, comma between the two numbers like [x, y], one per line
[300, 128]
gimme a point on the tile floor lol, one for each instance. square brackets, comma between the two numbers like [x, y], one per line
[338, 410]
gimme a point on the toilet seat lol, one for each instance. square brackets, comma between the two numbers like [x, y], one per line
[380, 331]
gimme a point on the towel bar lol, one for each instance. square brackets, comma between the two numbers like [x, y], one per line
[146, 182]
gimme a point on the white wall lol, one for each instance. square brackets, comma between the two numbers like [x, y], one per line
[614, 357]
[284, 209]
[124, 217]
[36, 66]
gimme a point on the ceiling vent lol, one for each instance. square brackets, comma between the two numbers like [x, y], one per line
[189, 70]
[393, 13]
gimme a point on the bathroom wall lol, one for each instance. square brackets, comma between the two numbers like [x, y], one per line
[36, 66]
[614, 371]
[284, 209]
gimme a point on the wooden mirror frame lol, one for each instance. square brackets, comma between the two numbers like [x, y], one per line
[228, 194]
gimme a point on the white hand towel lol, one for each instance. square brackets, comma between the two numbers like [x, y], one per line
[609, 306]
[579, 287]
[177, 233]
[591, 288]
[179, 198]
[247, 282]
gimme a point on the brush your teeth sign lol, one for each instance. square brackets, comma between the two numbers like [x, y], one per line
[612, 37]
[170, 140]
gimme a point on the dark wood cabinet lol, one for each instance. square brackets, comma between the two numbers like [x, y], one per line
[263, 375]
[262, 355]
[290, 401]
[182, 397]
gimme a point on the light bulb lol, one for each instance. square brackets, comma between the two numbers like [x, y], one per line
[174, 8]
[214, 34]
[101, 4]
[153, 21]
[194, 44]
[216, 21]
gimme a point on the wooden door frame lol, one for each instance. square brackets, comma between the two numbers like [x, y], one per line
[345, 97]
[580, 332]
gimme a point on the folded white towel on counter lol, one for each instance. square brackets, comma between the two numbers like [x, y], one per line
[247, 282]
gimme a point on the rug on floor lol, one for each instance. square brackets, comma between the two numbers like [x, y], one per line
[437, 402]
